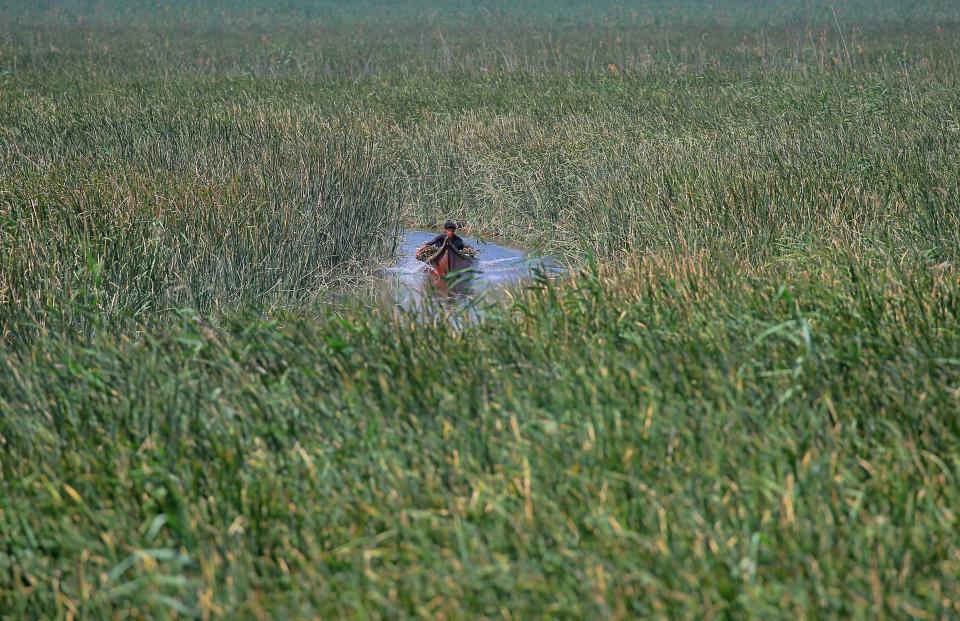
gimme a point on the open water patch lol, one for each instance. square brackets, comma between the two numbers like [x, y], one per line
[411, 285]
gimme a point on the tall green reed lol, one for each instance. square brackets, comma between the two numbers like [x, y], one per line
[132, 217]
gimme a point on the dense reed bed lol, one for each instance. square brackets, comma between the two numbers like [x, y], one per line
[135, 213]
[678, 440]
[741, 403]
[259, 193]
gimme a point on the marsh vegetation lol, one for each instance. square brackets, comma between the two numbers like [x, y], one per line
[741, 402]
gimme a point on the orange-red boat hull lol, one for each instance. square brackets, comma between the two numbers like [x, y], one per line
[449, 259]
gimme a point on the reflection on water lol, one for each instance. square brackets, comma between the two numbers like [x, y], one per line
[411, 284]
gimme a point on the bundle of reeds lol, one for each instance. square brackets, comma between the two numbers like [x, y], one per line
[424, 252]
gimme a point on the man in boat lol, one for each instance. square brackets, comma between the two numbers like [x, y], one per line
[449, 235]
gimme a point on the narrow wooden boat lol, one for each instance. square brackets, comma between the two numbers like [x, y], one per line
[448, 259]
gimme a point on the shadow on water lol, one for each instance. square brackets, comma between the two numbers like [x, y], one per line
[413, 286]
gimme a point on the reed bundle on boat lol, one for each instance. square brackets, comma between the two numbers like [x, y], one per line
[425, 252]
[446, 258]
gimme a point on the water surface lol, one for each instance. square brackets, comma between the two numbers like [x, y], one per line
[410, 283]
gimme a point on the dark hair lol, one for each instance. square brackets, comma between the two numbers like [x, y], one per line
[450, 224]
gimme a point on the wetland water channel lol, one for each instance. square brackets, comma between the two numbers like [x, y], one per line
[409, 284]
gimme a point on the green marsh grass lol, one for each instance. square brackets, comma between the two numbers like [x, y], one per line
[133, 216]
[742, 402]
[659, 439]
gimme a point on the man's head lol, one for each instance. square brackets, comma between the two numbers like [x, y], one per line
[449, 228]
